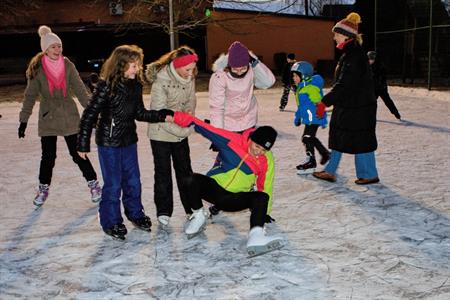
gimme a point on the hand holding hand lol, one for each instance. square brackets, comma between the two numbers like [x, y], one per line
[163, 113]
[21, 131]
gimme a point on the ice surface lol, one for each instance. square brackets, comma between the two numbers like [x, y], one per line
[384, 241]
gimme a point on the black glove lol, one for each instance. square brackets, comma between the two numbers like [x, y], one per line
[253, 59]
[163, 113]
[269, 219]
[214, 210]
[21, 131]
[213, 148]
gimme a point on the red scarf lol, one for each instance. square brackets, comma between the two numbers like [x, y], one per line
[55, 72]
[342, 45]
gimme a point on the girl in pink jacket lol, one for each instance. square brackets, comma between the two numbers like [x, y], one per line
[232, 103]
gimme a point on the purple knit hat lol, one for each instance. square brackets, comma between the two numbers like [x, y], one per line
[238, 55]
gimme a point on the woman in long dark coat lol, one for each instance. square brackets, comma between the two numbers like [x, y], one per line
[353, 121]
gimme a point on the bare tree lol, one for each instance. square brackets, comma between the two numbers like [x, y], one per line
[187, 14]
[10, 9]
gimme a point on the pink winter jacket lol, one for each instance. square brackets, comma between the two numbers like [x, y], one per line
[232, 104]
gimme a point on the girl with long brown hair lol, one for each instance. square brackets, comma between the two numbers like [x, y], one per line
[116, 104]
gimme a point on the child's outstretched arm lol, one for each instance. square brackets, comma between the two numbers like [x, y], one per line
[151, 116]
[220, 137]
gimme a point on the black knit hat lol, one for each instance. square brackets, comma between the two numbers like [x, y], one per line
[264, 136]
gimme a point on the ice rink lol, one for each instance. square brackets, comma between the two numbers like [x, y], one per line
[342, 241]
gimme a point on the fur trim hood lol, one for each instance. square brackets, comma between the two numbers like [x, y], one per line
[221, 63]
[151, 71]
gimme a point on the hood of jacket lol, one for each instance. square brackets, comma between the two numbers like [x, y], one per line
[318, 81]
[151, 71]
[221, 63]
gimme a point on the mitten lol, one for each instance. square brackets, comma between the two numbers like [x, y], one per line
[320, 110]
[21, 131]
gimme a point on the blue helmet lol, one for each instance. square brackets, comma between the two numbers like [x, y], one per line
[303, 67]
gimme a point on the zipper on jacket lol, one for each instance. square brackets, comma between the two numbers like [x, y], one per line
[112, 125]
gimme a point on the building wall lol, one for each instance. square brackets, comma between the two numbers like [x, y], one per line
[62, 12]
[309, 38]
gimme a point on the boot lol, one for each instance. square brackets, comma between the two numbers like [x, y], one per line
[325, 158]
[96, 191]
[118, 232]
[258, 243]
[324, 175]
[41, 195]
[196, 223]
[164, 220]
[308, 166]
[367, 181]
[143, 223]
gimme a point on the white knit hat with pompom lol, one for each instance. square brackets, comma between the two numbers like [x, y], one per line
[47, 37]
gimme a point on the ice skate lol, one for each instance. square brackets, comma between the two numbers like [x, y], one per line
[196, 223]
[41, 195]
[325, 158]
[164, 220]
[258, 243]
[117, 232]
[143, 223]
[96, 191]
[308, 167]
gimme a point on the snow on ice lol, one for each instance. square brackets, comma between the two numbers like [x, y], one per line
[384, 241]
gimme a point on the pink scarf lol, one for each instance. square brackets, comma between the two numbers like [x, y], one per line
[55, 72]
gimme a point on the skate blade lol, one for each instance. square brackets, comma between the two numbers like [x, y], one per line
[259, 250]
[117, 238]
[143, 228]
[96, 201]
[306, 172]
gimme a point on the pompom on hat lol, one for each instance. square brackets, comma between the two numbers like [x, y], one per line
[238, 55]
[47, 37]
[348, 26]
[264, 136]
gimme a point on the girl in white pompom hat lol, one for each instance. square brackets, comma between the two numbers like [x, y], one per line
[53, 79]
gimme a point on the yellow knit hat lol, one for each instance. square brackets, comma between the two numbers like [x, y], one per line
[348, 26]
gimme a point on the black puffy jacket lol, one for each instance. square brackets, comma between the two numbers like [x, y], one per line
[115, 116]
[353, 121]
